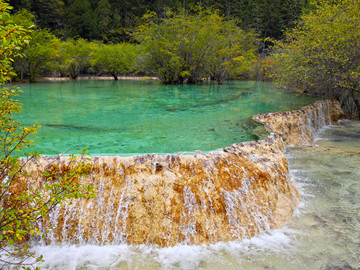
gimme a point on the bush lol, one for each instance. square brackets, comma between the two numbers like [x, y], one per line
[186, 48]
[115, 59]
[321, 55]
[26, 198]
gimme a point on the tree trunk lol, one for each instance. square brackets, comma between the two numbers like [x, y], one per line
[62, 73]
[74, 72]
[115, 76]
[356, 101]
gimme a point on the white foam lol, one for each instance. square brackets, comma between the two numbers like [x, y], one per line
[281, 242]
[71, 257]
[68, 257]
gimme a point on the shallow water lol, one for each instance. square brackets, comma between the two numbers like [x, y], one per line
[324, 233]
[127, 117]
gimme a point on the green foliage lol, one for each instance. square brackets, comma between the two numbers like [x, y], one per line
[49, 13]
[26, 198]
[24, 18]
[103, 12]
[233, 54]
[13, 37]
[82, 21]
[185, 48]
[322, 54]
[74, 56]
[46, 54]
[91, 19]
[269, 18]
[115, 59]
[39, 53]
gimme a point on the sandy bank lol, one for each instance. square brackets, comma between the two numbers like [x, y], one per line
[100, 78]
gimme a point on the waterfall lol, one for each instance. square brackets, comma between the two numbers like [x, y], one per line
[300, 127]
[237, 192]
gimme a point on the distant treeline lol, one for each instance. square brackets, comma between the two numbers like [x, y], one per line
[114, 21]
[176, 41]
[180, 48]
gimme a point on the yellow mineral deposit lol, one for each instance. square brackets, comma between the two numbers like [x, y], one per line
[299, 127]
[191, 199]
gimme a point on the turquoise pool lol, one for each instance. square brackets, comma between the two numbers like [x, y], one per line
[135, 117]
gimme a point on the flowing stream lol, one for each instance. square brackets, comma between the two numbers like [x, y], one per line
[323, 234]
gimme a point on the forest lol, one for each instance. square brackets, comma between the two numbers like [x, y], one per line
[114, 21]
[70, 38]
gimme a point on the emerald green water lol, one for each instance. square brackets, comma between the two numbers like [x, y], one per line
[132, 117]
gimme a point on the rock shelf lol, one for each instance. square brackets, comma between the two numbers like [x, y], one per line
[237, 192]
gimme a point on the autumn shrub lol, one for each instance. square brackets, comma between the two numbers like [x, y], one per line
[26, 197]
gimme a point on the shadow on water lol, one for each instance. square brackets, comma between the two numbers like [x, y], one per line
[80, 128]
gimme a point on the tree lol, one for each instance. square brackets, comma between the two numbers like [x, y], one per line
[269, 18]
[233, 54]
[74, 57]
[26, 198]
[185, 48]
[24, 18]
[115, 59]
[49, 13]
[103, 12]
[321, 55]
[92, 19]
[13, 38]
[81, 20]
[39, 54]
[20, 4]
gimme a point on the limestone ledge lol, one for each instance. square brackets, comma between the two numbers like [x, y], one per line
[237, 192]
[300, 126]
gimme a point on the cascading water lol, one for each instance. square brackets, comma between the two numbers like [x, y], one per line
[300, 127]
[239, 192]
[174, 199]
[225, 195]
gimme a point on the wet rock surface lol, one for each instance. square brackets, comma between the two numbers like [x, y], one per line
[301, 126]
[225, 195]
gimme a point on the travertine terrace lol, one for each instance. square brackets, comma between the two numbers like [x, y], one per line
[192, 199]
[299, 127]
